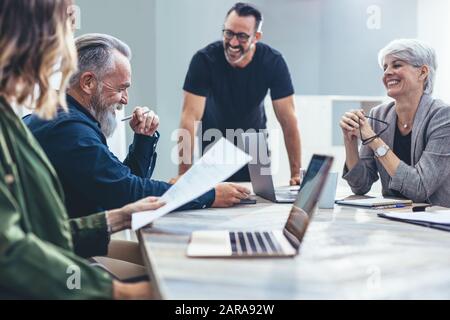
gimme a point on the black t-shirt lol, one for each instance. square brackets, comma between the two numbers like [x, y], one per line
[235, 96]
[402, 149]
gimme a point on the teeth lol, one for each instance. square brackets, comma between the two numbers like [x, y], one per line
[234, 49]
[392, 82]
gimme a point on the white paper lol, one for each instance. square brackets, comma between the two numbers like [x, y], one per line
[217, 165]
[438, 217]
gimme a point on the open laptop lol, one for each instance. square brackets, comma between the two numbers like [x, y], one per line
[255, 144]
[270, 243]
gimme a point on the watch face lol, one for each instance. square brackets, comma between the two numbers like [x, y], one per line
[381, 151]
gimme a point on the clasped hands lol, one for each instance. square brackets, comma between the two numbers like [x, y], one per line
[354, 125]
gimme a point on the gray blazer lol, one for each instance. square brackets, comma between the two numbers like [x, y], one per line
[428, 179]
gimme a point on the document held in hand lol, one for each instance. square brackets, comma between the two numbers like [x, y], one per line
[216, 165]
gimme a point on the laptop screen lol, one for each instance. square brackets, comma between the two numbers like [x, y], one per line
[308, 195]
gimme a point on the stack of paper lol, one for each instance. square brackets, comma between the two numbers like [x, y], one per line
[217, 165]
[433, 219]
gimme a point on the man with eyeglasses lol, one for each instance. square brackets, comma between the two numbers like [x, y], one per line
[227, 83]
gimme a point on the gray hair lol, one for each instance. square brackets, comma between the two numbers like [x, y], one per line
[95, 53]
[415, 53]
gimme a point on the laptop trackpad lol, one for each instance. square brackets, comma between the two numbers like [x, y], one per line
[209, 244]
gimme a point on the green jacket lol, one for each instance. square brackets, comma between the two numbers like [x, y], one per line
[41, 250]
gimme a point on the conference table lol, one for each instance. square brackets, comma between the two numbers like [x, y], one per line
[347, 253]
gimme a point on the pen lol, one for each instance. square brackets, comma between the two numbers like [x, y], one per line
[392, 206]
[129, 118]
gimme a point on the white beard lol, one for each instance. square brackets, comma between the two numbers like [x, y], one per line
[104, 114]
[108, 123]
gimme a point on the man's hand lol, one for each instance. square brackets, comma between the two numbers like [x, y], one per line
[229, 194]
[174, 180]
[295, 180]
[144, 123]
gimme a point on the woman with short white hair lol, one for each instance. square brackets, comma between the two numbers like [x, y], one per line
[405, 143]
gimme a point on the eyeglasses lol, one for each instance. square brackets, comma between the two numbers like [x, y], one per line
[369, 140]
[240, 36]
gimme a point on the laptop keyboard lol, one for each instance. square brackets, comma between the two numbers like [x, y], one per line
[254, 243]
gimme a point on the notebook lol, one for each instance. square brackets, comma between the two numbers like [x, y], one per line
[376, 203]
[434, 219]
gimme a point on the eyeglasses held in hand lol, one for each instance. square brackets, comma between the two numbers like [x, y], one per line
[369, 140]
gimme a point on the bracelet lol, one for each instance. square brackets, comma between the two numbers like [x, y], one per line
[369, 140]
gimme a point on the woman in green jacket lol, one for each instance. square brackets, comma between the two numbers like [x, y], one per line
[40, 249]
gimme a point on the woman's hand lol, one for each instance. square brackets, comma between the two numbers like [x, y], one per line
[120, 219]
[352, 123]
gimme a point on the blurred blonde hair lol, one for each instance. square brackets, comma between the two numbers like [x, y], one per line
[36, 35]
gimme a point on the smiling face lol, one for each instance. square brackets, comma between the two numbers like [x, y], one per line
[237, 51]
[401, 78]
[112, 94]
[115, 84]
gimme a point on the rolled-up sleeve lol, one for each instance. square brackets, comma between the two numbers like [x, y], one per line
[90, 235]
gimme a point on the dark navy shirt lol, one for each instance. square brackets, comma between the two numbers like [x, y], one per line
[235, 96]
[92, 177]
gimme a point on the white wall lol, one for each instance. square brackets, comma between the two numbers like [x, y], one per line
[164, 34]
[326, 43]
[117, 142]
[434, 28]
[134, 23]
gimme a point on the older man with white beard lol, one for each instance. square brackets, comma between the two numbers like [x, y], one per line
[75, 142]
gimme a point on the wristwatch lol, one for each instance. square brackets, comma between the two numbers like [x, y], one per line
[381, 151]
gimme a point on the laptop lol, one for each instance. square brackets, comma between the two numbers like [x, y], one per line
[255, 144]
[270, 243]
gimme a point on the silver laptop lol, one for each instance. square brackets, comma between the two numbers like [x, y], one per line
[255, 144]
[270, 243]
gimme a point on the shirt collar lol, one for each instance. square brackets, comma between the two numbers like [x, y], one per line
[74, 104]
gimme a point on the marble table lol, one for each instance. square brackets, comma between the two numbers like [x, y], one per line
[347, 253]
